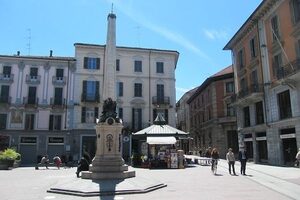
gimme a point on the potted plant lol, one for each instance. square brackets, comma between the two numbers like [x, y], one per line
[8, 157]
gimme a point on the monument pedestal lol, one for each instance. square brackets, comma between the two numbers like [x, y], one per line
[108, 162]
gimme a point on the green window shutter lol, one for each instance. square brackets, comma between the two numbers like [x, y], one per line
[51, 123]
[96, 113]
[97, 91]
[83, 110]
[85, 63]
[84, 88]
[98, 63]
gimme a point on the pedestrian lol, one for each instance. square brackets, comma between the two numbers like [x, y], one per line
[45, 161]
[83, 165]
[214, 158]
[243, 159]
[298, 158]
[231, 160]
[57, 161]
[208, 155]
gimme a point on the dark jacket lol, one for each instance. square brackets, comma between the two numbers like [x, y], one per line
[240, 155]
[215, 155]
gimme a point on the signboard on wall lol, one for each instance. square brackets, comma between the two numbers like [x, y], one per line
[28, 140]
[55, 140]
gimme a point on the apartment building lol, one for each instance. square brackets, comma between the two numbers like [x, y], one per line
[212, 118]
[34, 104]
[183, 118]
[145, 86]
[265, 53]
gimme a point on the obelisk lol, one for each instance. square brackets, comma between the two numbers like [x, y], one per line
[108, 162]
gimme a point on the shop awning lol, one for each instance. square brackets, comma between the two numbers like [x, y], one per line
[161, 140]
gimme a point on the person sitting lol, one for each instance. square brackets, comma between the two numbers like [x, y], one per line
[83, 165]
[57, 161]
[45, 161]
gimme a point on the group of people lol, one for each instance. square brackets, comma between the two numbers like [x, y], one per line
[56, 160]
[230, 157]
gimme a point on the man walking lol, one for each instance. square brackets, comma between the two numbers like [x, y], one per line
[243, 159]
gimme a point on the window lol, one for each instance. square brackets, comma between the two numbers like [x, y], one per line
[159, 67]
[241, 59]
[284, 104]
[6, 71]
[3, 118]
[138, 66]
[277, 66]
[58, 92]
[90, 91]
[59, 74]
[254, 80]
[229, 87]
[120, 113]
[4, 96]
[246, 116]
[55, 122]
[136, 118]
[120, 89]
[160, 92]
[253, 47]
[91, 63]
[275, 28]
[29, 121]
[118, 65]
[230, 110]
[33, 73]
[259, 112]
[138, 90]
[32, 95]
[296, 10]
[89, 114]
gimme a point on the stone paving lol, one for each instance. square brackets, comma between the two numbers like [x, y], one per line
[194, 182]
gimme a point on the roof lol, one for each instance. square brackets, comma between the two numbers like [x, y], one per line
[223, 74]
[262, 8]
[161, 130]
[40, 57]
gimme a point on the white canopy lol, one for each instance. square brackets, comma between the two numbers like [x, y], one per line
[161, 140]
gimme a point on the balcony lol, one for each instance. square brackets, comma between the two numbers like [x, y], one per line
[33, 79]
[6, 78]
[90, 99]
[59, 81]
[30, 101]
[288, 71]
[5, 100]
[157, 100]
[57, 103]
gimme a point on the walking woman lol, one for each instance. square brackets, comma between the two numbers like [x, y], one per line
[231, 160]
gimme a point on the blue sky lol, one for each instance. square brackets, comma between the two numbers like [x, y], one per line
[197, 29]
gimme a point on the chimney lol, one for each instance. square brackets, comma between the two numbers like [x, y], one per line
[18, 53]
[51, 53]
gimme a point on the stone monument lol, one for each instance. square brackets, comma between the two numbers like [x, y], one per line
[108, 162]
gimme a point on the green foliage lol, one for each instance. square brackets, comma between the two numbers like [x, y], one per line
[9, 154]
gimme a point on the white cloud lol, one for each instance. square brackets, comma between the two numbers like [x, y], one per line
[166, 33]
[215, 34]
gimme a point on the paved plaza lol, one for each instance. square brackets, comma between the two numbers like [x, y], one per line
[194, 182]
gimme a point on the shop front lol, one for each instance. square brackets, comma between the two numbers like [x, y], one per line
[159, 146]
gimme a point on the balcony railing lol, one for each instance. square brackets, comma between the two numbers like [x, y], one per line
[254, 88]
[57, 103]
[5, 99]
[30, 101]
[287, 70]
[6, 78]
[33, 79]
[56, 80]
[160, 100]
[92, 99]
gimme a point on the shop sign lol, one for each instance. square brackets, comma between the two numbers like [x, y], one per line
[285, 136]
[248, 139]
[28, 140]
[55, 140]
[261, 138]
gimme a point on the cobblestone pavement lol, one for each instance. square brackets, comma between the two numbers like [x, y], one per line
[194, 182]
